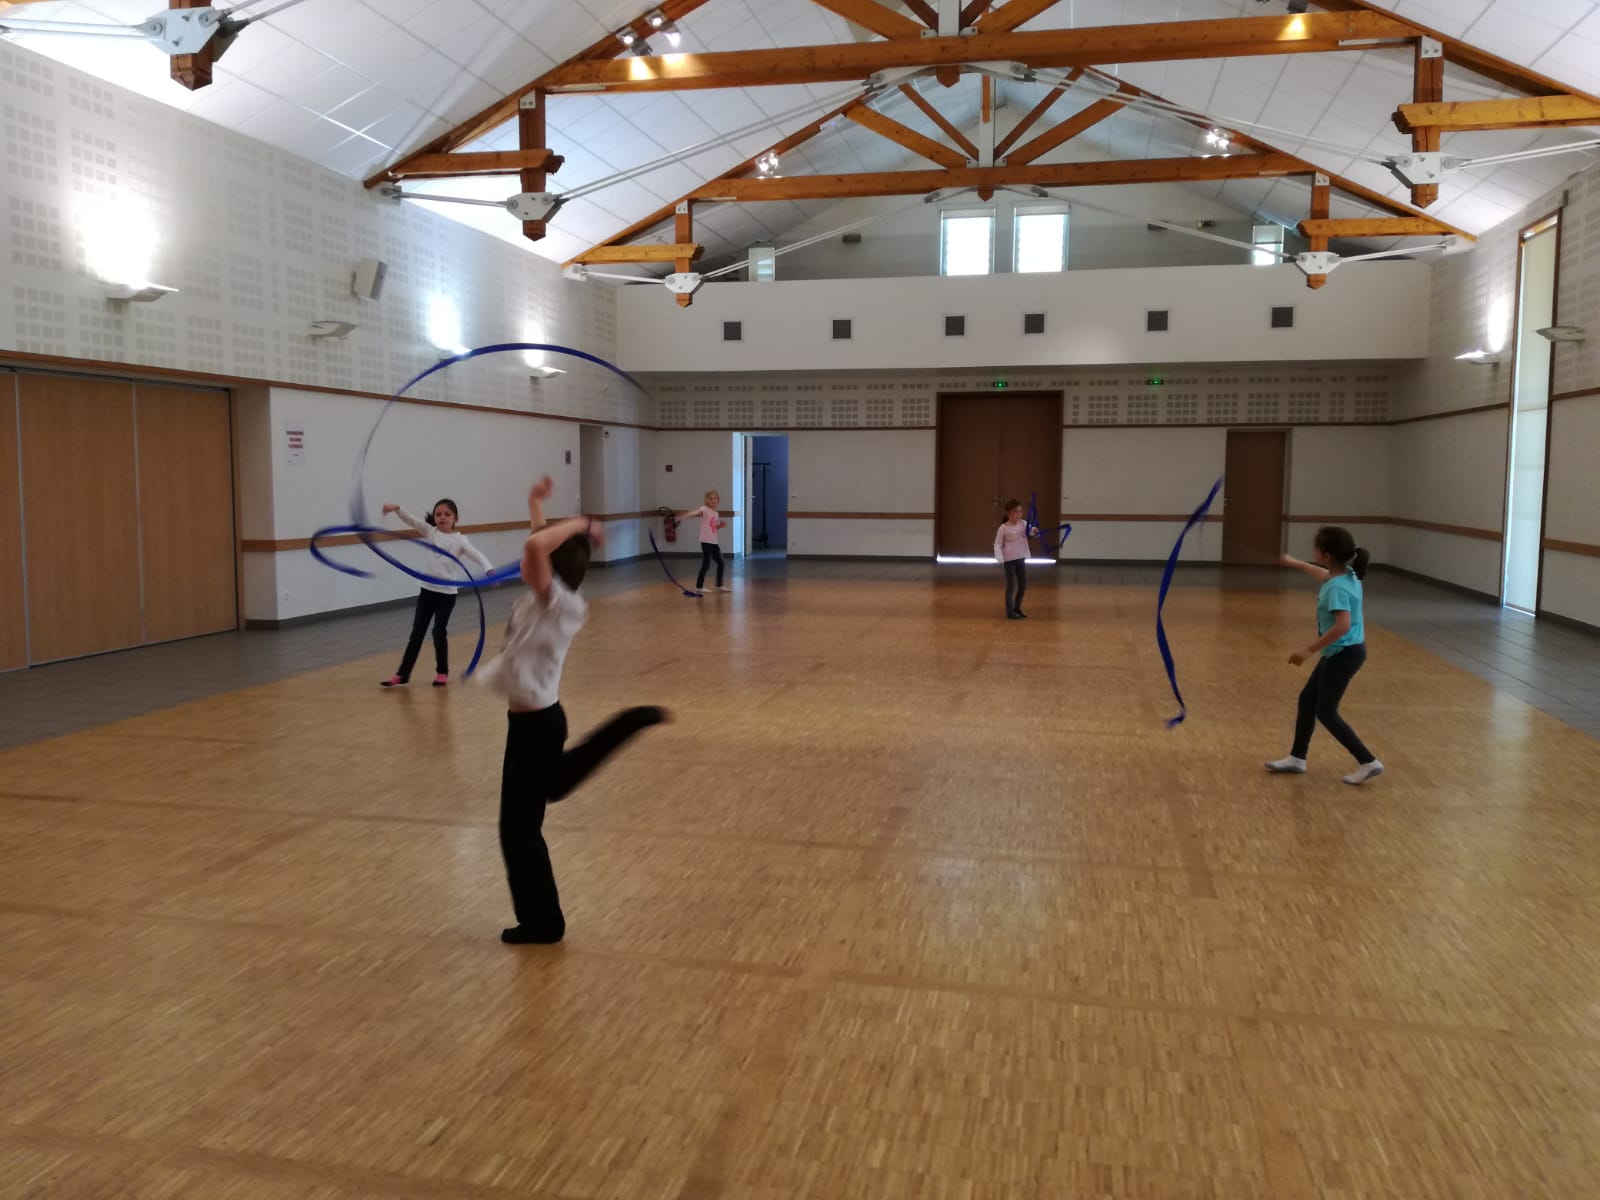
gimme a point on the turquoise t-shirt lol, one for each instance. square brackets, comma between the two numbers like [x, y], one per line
[1342, 593]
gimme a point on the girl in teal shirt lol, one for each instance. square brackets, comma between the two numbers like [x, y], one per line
[1340, 651]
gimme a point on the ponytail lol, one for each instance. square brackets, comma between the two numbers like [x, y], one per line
[1358, 564]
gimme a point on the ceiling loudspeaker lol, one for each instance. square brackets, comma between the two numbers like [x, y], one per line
[367, 282]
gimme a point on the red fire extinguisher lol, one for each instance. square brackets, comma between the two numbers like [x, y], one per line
[670, 522]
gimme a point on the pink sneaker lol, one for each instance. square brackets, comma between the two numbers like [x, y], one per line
[393, 681]
[440, 680]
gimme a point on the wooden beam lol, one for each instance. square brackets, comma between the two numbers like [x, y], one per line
[869, 14]
[683, 229]
[1427, 88]
[925, 12]
[1028, 122]
[1481, 62]
[888, 127]
[505, 108]
[1089, 174]
[1366, 227]
[1012, 14]
[477, 162]
[194, 70]
[1321, 206]
[669, 252]
[1533, 112]
[909, 90]
[531, 136]
[1047, 141]
[1161, 41]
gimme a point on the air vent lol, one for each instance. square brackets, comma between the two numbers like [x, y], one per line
[841, 331]
[955, 327]
[733, 331]
[1032, 322]
[1155, 320]
[852, 239]
[1283, 317]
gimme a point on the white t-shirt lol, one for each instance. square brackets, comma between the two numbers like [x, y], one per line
[452, 543]
[538, 635]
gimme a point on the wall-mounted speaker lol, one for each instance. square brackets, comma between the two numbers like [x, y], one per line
[367, 282]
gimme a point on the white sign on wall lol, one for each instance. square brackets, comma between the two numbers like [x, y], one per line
[294, 443]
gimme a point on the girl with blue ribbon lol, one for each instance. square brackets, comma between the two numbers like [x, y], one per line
[436, 601]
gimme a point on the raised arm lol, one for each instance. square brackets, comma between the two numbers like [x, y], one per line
[536, 551]
[416, 523]
[537, 495]
[1320, 574]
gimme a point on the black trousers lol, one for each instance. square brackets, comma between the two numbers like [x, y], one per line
[538, 770]
[1319, 701]
[1016, 581]
[709, 552]
[435, 607]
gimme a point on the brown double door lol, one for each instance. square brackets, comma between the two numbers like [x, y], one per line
[991, 448]
[1252, 510]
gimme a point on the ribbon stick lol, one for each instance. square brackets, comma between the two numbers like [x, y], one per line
[1065, 529]
[693, 595]
[1195, 518]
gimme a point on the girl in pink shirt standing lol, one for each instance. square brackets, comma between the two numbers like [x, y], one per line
[710, 552]
[1011, 552]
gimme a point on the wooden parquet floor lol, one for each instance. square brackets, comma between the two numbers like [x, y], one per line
[909, 901]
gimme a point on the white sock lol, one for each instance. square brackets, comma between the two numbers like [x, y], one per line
[1289, 765]
[1364, 772]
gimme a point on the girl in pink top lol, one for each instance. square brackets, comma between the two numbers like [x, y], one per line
[1011, 552]
[710, 552]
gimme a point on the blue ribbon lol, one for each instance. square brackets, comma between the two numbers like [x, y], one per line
[358, 506]
[1195, 518]
[1033, 522]
[693, 595]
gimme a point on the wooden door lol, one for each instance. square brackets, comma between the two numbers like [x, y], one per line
[186, 533]
[992, 448]
[1252, 510]
[13, 602]
[80, 502]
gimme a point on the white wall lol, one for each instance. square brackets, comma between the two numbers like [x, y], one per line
[1219, 314]
[1572, 510]
[862, 471]
[1343, 472]
[1123, 472]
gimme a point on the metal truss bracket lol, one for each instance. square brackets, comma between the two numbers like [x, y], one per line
[683, 283]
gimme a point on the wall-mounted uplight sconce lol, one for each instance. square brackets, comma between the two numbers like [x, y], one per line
[1484, 358]
[538, 373]
[331, 329]
[1564, 333]
[140, 293]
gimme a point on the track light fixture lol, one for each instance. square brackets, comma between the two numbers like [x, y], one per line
[662, 24]
[768, 165]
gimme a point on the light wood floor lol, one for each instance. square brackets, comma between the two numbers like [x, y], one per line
[909, 902]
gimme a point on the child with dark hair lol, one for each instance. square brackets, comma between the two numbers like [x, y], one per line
[538, 769]
[436, 601]
[1340, 651]
[1011, 552]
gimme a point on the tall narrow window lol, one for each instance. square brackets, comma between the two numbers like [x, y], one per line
[1268, 241]
[763, 264]
[1041, 240]
[966, 242]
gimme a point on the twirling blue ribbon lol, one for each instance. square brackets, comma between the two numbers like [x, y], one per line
[1195, 518]
[362, 529]
[693, 595]
[1033, 521]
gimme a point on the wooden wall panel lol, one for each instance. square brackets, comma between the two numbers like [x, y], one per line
[185, 511]
[79, 497]
[13, 603]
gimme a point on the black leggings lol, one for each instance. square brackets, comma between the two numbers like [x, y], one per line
[1017, 581]
[1319, 701]
[709, 552]
[435, 607]
[539, 771]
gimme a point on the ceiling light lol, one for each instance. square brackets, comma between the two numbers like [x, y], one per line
[768, 164]
[641, 48]
[332, 329]
[673, 34]
[1482, 357]
[627, 37]
[1217, 138]
[545, 372]
[122, 293]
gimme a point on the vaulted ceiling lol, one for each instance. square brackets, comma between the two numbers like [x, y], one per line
[355, 84]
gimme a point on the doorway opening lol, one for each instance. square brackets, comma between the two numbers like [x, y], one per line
[1521, 573]
[994, 448]
[766, 533]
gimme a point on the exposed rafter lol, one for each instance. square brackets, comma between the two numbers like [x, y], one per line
[909, 90]
[878, 18]
[1163, 41]
[918, 143]
[1533, 112]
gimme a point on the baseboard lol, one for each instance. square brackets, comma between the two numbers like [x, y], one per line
[894, 558]
[332, 614]
[622, 562]
[1569, 622]
[1458, 589]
